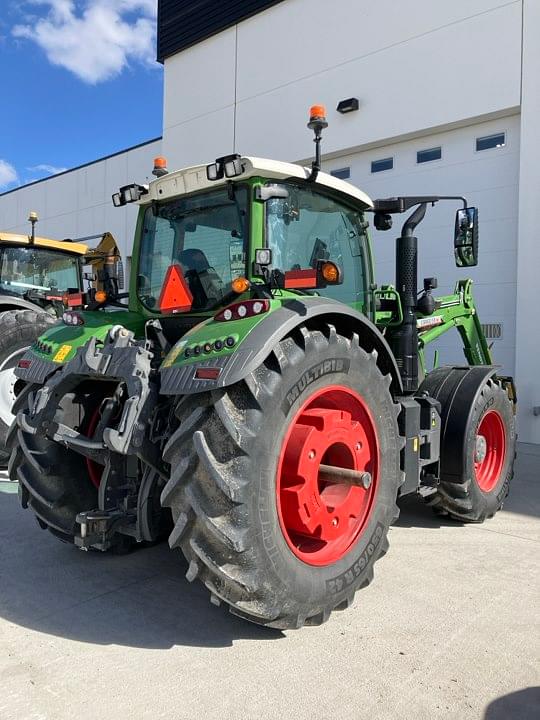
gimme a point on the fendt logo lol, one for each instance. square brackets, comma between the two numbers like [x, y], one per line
[334, 365]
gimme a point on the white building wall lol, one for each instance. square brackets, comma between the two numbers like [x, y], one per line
[528, 259]
[412, 69]
[78, 203]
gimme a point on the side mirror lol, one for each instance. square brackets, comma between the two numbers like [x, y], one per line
[466, 237]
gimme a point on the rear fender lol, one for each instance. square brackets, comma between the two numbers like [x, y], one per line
[11, 302]
[178, 373]
[456, 388]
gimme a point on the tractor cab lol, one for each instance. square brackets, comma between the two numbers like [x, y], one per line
[38, 270]
[246, 228]
[51, 274]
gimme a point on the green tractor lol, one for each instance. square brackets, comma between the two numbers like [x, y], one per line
[260, 402]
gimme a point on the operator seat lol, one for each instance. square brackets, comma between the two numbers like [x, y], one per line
[204, 282]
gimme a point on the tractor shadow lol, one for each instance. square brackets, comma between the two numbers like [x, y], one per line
[523, 499]
[414, 513]
[138, 600]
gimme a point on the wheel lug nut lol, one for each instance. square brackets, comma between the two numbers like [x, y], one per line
[311, 454]
[358, 446]
[335, 522]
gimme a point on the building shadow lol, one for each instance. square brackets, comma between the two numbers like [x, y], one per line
[520, 705]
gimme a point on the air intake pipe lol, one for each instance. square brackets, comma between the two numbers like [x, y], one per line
[404, 340]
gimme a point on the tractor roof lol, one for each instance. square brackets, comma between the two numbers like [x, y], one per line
[192, 179]
[70, 247]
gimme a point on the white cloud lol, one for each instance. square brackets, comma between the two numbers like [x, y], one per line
[49, 169]
[94, 39]
[8, 174]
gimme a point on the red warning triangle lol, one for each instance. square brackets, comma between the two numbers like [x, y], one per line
[175, 293]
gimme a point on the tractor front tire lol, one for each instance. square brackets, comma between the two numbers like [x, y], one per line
[261, 525]
[481, 457]
[18, 330]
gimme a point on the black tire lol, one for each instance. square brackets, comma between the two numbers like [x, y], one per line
[222, 489]
[459, 494]
[53, 481]
[18, 330]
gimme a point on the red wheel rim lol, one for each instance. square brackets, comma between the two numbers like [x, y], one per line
[490, 451]
[95, 470]
[321, 520]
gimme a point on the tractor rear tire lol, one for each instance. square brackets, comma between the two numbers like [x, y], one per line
[484, 468]
[18, 330]
[258, 523]
[53, 481]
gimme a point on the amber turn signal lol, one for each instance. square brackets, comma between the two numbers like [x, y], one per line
[100, 296]
[240, 285]
[330, 272]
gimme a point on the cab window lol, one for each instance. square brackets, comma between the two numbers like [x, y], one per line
[205, 235]
[309, 226]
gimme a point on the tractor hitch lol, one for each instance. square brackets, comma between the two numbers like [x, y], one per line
[128, 512]
[99, 528]
[120, 359]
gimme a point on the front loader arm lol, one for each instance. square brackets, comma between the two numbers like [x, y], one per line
[456, 311]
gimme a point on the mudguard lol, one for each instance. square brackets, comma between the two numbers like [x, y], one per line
[456, 388]
[11, 302]
[178, 377]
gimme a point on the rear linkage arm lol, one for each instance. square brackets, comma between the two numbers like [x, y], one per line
[120, 359]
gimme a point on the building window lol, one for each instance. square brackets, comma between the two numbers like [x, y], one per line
[342, 173]
[491, 141]
[423, 156]
[380, 165]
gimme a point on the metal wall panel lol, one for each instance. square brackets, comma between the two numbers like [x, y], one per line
[182, 23]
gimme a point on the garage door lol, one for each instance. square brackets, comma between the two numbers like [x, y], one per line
[480, 161]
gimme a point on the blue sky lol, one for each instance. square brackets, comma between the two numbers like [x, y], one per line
[79, 81]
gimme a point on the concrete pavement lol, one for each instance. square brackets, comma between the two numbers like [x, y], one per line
[448, 629]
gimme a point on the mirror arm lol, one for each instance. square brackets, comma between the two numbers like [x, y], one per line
[402, 204]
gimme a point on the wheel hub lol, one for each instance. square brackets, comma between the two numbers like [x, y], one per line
[481, 449]
[490, 451]
[322, 510]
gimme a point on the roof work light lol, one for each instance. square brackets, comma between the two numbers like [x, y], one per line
[230, 165]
